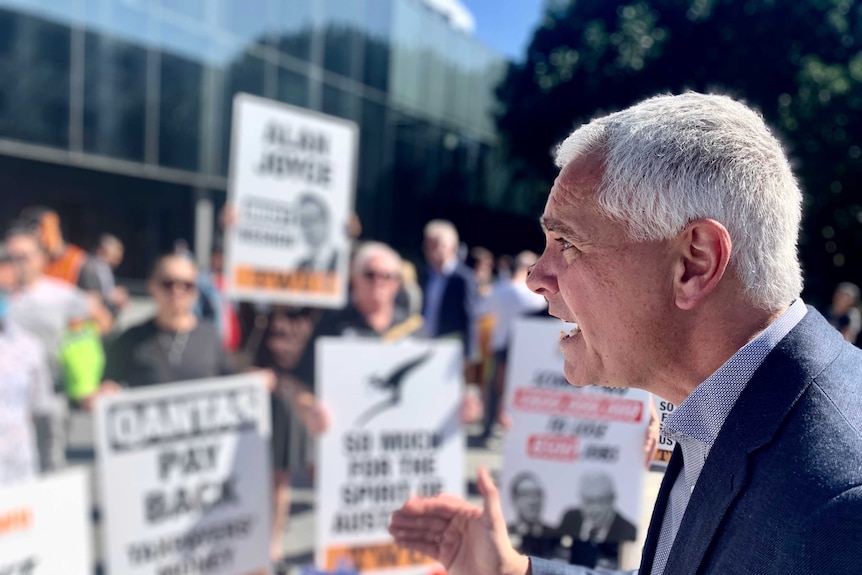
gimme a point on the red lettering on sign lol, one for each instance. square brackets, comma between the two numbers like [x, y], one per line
[581, 406]
[553, 447]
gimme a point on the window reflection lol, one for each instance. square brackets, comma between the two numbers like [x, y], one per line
[180, 112]
[246, 19]
[292, 87]
[115, 74]
[292, 29]
[34, 98]
[196, 9]
[244, 74]
[342, 36]
[376, 40]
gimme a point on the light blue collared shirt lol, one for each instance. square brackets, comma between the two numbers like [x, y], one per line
[697, 421]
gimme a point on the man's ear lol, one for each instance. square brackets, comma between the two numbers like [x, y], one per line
[704, 251]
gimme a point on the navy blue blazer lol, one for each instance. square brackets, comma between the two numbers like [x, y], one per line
[458, 308]
[781, 490]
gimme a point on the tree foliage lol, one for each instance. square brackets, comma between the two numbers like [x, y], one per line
[798, 61]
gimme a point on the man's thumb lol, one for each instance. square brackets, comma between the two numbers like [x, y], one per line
[491, 498]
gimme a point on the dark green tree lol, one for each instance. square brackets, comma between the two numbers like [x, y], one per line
[798, 61]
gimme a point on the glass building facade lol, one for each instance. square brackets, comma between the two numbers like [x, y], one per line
[117, 112]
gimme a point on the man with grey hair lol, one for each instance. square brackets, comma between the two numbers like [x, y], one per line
[671, 236]
[451, 298]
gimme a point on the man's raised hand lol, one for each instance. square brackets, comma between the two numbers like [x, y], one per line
[466, 539]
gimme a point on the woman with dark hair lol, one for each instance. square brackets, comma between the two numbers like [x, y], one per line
[278, 340]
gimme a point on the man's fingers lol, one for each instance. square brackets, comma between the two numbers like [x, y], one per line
[491, 498]
[440, 508]
[431, 524]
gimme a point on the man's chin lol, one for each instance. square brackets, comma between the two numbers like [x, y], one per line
[577, 378]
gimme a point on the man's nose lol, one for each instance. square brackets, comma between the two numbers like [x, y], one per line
[540, 279]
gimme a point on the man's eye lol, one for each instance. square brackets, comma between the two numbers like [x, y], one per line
[564, 244]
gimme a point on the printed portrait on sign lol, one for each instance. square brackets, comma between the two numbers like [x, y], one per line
[315, 226]
[597, 519]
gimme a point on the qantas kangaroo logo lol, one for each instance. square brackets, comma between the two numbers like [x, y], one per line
[392, 385]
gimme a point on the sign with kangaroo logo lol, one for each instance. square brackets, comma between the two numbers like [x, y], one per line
[395, 432]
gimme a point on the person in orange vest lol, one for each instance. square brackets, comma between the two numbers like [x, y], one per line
[65, 260]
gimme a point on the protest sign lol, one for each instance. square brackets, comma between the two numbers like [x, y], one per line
[395, 432]
[573, 460]
[291, 185]
[665, 444]
[184, 476]
[45, 526]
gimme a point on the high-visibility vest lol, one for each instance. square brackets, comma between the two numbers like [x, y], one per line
[68, 266]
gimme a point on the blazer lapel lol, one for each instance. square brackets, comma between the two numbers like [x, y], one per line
[651, 541]
[752, 423]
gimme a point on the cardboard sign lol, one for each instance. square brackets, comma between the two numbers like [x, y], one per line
[395, 432]
[185, 481]
[292, 181]
[573, 461]
[45, 526]
[665, 445]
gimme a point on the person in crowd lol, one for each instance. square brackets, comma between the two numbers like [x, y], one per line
[285, 333]
[509, 300]
[65, 260]
[481, 261]
[174, 345]
[26, 387]
[596, 527]
[504, 267]
[47, 308]
[451, 293]
[671, 240]
[844, 313]
[223, 311]
[410, 294]
[371, 312]
[97, 274]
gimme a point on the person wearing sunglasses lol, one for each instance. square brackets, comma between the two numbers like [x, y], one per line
[371, 312]
[174, 345]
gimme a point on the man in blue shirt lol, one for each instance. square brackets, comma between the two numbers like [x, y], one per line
[671, 237]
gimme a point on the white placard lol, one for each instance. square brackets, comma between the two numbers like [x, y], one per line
[291, 185]
[574, 456]
[184, 475]
[395, 431]
[45, 525]
[665, 444]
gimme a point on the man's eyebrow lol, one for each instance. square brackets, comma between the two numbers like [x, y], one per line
[558, 227]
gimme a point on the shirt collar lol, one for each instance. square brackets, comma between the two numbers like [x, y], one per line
[701, 415]
[447, 270]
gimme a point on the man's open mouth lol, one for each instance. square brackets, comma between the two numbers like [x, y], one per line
[564, 335]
